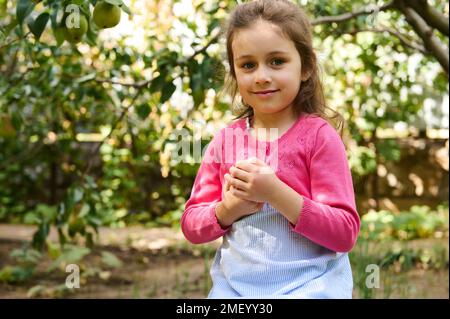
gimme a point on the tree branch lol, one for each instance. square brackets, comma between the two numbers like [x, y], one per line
[350, 15]
[433, 17]
[139, 86]
[403, 39]
[113, 127]
[142, 84]
[201, 50]
[15, 40]
[425, 32]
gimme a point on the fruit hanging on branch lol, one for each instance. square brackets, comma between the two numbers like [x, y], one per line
[74, 32]
[106, 15]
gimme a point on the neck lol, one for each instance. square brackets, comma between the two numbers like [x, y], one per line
[280, 120]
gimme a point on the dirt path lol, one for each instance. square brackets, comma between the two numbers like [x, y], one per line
[160, 263]
[157, 263]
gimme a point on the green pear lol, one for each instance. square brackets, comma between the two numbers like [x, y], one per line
[106, 15]
[73, 34]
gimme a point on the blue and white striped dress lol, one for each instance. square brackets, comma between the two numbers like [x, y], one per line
[262, 257]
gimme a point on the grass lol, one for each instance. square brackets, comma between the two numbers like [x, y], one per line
[399, 264]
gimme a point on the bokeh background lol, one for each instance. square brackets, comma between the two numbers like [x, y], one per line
[91, 173]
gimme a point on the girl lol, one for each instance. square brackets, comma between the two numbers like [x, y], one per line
[287, 215]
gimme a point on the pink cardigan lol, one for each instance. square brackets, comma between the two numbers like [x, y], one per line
[310, 158]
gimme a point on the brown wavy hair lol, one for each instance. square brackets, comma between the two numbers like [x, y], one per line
[295, 24]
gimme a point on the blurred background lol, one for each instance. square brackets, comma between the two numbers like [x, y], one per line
[91, 172]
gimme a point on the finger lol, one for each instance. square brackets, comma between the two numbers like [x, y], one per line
[257, 161]
[227, 185]
[245, 165]
[239, 193]
[237, 183]
[239, 174]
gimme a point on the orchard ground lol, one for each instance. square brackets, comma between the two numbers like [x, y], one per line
[160, 263]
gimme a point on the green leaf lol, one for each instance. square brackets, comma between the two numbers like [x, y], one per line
[167, 92]
[75, 254]
[86, 78]
[8, 28]
[3, 8]
[143, 110]
[77, 194]
[214, 24]
[125, 8]
[15, 274]
[120, 4]
[40, 236]
[199, 97]
[59, 36]
[111, 260]
[70, 255]
[35, 291]
[114, 2]
[157, 83]
[37, 26]
[91, 35]
[389, 149]
[23, 9]
[54, 15]
[31, 218]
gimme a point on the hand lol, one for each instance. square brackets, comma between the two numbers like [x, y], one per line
[234, 207]
[252, 180]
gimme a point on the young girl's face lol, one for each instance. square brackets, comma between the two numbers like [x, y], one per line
[267, 66]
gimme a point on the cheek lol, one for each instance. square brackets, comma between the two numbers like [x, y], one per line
[289, 80]
[244, 85]
[242, 79]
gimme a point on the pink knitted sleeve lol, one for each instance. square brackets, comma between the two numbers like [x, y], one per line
[329, 218]
[199, 222]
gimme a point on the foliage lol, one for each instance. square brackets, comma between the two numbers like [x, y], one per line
[86, 129]
[393, 259]
[418, 222]
[26, 262]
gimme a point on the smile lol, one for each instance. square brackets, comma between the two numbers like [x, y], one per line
[266, 94]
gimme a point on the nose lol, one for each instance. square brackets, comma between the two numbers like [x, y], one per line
[262, 75]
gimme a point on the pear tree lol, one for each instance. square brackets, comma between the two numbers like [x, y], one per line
[73, 21]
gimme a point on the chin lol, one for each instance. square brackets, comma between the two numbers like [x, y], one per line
[269, 110]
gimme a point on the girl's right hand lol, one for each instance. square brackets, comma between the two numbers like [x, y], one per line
[236, 208]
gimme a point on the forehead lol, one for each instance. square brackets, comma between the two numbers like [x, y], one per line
[260, 39]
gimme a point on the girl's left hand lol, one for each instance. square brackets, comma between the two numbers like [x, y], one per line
[252, 180]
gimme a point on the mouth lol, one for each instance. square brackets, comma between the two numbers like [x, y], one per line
[266, 93]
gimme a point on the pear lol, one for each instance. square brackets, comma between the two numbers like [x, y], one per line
[74, 35]
[76, 225]
[106, 15]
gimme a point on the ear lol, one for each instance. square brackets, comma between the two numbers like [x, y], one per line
[306, 75]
